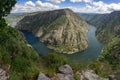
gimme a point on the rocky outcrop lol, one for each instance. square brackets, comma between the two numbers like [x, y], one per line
[90, 75]
[3, 74]
[65, 69]
[42, 77]
[61, 30]
[116, 76]
[65, 72]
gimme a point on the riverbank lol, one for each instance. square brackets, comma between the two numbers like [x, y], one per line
[88, 55]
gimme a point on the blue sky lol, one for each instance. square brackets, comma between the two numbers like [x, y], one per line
[85, 6]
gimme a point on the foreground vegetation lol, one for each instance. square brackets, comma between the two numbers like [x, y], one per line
[111, 53]
[15, 55]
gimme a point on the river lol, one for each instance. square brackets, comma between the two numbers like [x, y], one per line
[88, 55]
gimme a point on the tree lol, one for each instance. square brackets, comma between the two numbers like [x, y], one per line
[6, 7]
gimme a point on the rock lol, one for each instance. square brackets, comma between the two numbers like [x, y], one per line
[42, 77]
[65, 77]
[3, 74]
[90, 75]
[116, 76]
[65, 73]
[112, 77]
[65, 69]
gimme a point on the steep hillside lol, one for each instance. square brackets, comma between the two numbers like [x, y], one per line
[111, 53]
[97, 20]
[108, 25]
[14, 18]
[62, 30]
[111, 28]
[16, 56]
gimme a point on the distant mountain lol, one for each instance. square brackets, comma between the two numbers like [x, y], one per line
[13, 18]
[62, 30]
[108, 25]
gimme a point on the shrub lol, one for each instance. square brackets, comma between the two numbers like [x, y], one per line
[102, 69]
[54, 60]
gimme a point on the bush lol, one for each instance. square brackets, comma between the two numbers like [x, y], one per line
[111, 53]
[102, 69]
[54, 60]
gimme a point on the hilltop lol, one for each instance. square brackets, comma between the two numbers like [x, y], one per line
[61, 30]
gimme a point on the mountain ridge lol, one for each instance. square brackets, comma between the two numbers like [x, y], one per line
[62, 30]
[107, 25]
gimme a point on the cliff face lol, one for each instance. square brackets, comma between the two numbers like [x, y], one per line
[108, 25]
[62, 30]
[111, 27]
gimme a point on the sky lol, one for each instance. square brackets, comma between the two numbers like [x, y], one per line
[82, 6]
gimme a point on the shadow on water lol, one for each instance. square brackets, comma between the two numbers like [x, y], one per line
[39, 47]
[88, 55]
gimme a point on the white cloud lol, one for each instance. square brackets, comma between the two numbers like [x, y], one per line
[97, 7]
[86, 9]
[30, 3]
[86, 1]
[76, 1]
[106, 8]
[90, 7]
[56, 1]
[30, 6]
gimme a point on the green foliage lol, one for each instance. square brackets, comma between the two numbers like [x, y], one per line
[78, 66]
[102, 69]
[111, 53]
[14, 77]
[5, 7]
[107, 25]
[76, 77]
[15, 55]
[54, 60]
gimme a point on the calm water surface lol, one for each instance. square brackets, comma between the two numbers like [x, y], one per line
[90, 54]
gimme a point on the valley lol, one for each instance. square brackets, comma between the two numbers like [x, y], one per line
[88, 55]
[61, 30]
[53, 42]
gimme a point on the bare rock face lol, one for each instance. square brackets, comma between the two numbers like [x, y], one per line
[61, 30]
[116, 76]
[90, 75]
[65, 69]
[65, 72]
[3, 74]
[42, 77]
